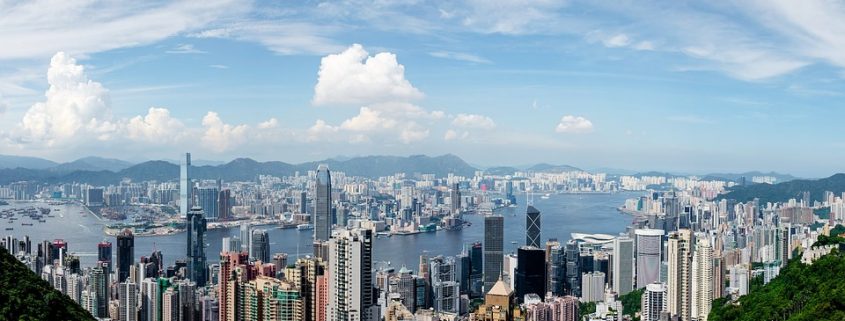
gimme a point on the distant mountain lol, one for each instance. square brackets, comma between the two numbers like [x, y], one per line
[244, 169]
[612, 171]
[782, 192]
[501, 170]
[779, 178]
[655, 173]
[543, 167]
[10, 161]
[92, 164]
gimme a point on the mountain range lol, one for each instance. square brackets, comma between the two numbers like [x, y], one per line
[782, 192]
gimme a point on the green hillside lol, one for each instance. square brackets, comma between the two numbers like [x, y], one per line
[801, 292]
[25, 296]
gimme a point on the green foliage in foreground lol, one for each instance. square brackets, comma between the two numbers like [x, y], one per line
[801, 292]
[585, 309]
[25, 296]
[631, 302]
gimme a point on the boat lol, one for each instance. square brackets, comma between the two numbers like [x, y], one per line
[304, 227]
[545, 196]
[9, 228]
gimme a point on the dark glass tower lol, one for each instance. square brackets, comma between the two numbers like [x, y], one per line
[196, 246]
[104, 253]
[323, 204]
[260, 247]
[493, 249]
[476, 273]
[125, 254]
[532, 227]
[530, 272]
[573, 270]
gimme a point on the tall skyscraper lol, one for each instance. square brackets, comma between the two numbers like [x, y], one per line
[186, 199]
[653, 302]
[592, 286]
[104, 253]
[530, 272]
[125, 254]
[572, 255]
[678, 278]
[702, 279]
[445, 289]
[127, 295]
[351, 276]
[196, 225]
[207, 200]
[224, 205]
[532, 228]
[323, 204]
[649, 249]
[476, 272]
[455, 198]
[260, 247]
[98, 290]
[245, 235]
[623, 265]
[494, 229]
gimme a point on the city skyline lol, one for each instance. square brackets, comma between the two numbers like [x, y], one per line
[615, 88]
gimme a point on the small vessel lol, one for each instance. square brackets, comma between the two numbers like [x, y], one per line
[9, 228]
[304, 227]
[545, 196]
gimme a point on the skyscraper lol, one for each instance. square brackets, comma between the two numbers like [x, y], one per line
[678, 278]
[623, 265]
[260, 247]
[702, 279]
[653, 302]
[530, 272]
[532, 228]
[493, 249]
[323, 204]
[455, 198]
[128, 301]
[649, 249]
[125, 254]
[245, 235]
[224, 206]
[207, 200]
[476, 272]
[572, 255]
[445, 289]
[196, 225]
[104, 253]
[351, 276]
[186, 200]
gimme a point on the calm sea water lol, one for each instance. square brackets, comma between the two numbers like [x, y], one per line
[561, 216]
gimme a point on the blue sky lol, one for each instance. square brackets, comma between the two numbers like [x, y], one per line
[686, 86]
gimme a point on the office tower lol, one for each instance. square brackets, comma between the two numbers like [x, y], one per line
[75, 285]
[187, 299]
[455, 198]
[649, 248]
[128, 301]
[125, 254]
[149, 299]
[702, 279]
[260, 247]
[592, 286]
[224, 205]
[303, 202]
[532, 227]
[530, 272]
[323, 204]
[445, 290]
[227, 290]
[351, 276]
[572, 258]
[58, 249]
[98, 290]
[623, 265]
[464, 270]
[186, 187]
[196, 225]
[493, 249]
[653, 302]
[208, 202]
[476, 274]
[245, 235]
[556, 269]
[231, 244]
[678, 278]
[104, 253]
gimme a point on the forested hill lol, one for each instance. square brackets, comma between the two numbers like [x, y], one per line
[25, 296]
[782, 192]
[801, 292]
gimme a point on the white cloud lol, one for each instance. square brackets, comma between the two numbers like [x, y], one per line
[219, 66]
[156, 127]
[219, 136]
[321, 131]
[512, 17]
[268, 124]
[412, 132]
[280, 36]
[574, 124]
[644, 45]
[461, 56]
[4, 106]
[185, 49]
[74, 105]
[618, 40]
[368, 119]
[473, 121]
[36, 29]
[354, 77]
[452, 134]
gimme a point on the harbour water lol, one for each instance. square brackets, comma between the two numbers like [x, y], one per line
[562, 215]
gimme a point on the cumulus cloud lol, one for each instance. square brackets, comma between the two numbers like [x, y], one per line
[473, 121]
[156, 127]
[268, 124]
[413, 132]
[219, 136]
[321, 131]
[74, 105]
[368, 119]
[618, 40]
[355, 77]
[574, 124]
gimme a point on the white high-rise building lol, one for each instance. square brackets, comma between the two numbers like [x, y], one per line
[702, 279]
[653, 302]
[149, 299]
[592, 286]
[186, 187]
[649, 250]
[678, 290]
[127, 293]
[351, 276]
[623, 265]
[445, 288]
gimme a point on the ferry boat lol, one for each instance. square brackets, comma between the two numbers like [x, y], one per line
[304, 227]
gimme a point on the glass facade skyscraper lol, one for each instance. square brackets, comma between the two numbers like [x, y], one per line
[323, 204]
[186, 199]
[196, 225]
[494, 229]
